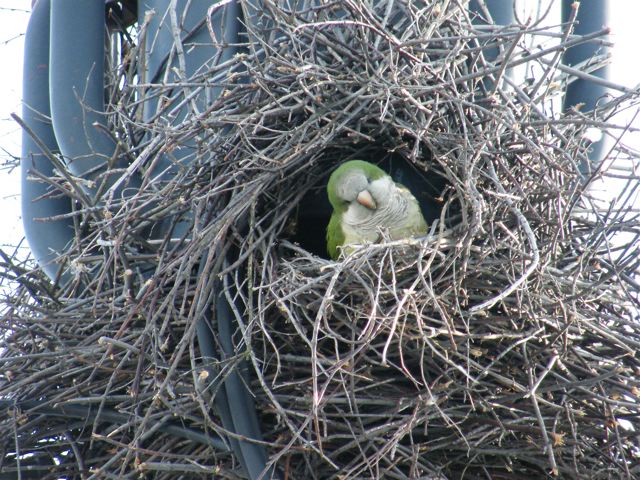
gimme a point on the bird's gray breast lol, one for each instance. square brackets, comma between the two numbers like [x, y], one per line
[362, 224]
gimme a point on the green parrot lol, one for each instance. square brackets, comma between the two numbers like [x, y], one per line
[366, 202]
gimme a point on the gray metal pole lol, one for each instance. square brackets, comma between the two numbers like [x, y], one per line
[501, 11]
[47, 239]
[592, 16]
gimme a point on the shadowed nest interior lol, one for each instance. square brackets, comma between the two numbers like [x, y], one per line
[502, 345]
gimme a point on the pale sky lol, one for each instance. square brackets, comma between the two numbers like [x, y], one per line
[14, 15]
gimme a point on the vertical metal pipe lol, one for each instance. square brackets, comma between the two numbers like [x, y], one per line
[492, 12]
[501, 11]
[592, 16]
[47, 239]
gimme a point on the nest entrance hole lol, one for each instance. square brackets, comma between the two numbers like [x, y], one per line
[315, 210]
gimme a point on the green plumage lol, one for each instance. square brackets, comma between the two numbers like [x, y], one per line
[335, 237]
[366, 201]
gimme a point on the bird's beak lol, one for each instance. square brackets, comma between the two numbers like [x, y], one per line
[364, 198]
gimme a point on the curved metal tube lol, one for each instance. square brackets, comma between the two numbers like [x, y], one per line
[75, 31]
[47, 239]
[76, 85]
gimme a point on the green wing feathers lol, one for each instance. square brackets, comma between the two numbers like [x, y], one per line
[335, 236]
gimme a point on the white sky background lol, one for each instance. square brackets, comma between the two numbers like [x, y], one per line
[14, 15]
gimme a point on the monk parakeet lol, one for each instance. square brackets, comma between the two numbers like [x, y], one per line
[367, 202]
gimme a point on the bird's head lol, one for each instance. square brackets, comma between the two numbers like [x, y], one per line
[357, 182]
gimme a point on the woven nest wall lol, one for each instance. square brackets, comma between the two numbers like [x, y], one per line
[501, 345]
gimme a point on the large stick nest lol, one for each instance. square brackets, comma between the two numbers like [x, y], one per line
[501, 345]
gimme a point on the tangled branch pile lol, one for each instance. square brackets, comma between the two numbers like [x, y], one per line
[502, 345]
